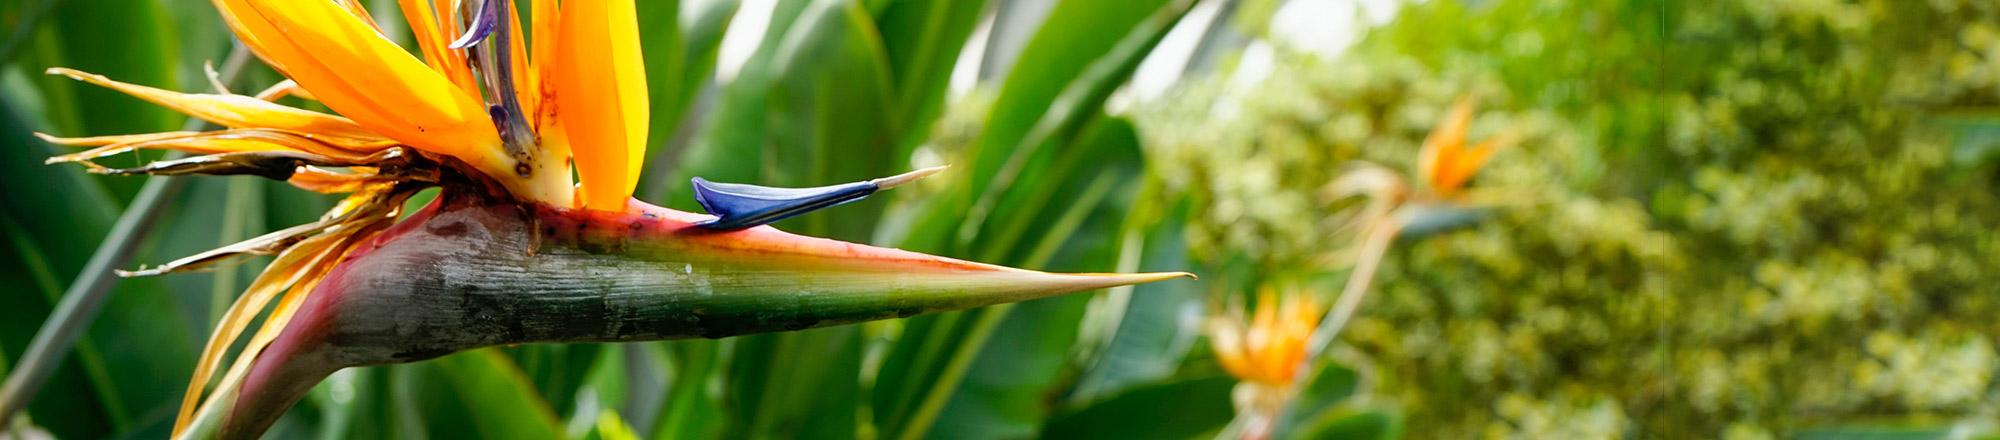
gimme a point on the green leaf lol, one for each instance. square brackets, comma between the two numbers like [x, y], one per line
[629, 379]
[1331, 384]
[730, 147]
[1082, 52]
[923, 40]
[242, 218]
[604, 388]
[691, 410]
[484, 394]
[796, 385]
[789, 118]
[49, 235]
[204, 39]
[1153, 332]
[681, 41]
[557, 370]
[832, 97]
[408, 389]
[1346, 425]
[611, 427]
[1002, 394]
[23, 18]
[501, 398]
[144, 333]
[347, 402]
[1179, 408]
[135, 45]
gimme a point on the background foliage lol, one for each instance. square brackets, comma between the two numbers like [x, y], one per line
[1739, 219]
[1742, 219]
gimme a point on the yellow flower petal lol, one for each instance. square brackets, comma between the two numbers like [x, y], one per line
[1226, 339]
[217, 142]
[291, 267]
[601, 88]
[1263, 320]
[435, 41]
[98, 141]
[234, 111]
[356, 72]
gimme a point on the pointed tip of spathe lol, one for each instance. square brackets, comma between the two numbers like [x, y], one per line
[1148, 277]
[1090, 281]
[999, 285]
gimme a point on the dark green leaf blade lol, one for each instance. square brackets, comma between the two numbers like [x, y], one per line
[1042, 110]
[1023, 360]
[1154, 331]
[1174, 409]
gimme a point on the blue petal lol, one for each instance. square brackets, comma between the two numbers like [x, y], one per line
[740, 206]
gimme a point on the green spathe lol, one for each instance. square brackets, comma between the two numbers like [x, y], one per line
[468, 273]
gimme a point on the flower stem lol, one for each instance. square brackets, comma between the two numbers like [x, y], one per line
[1358, 281]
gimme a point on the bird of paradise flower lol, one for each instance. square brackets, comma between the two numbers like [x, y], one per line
[537, 145]
[1269, 348]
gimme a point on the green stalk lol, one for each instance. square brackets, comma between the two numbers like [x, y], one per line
[1376, 246]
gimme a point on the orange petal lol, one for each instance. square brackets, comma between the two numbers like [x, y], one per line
[601, 85]
[1226, 339]
[546, 18]
[367, 78]
[1441, 148]
[1469, 163]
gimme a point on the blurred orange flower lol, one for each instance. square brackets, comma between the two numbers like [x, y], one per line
[1446, 163]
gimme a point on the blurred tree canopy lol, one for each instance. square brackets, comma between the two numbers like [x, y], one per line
[1737, 219]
